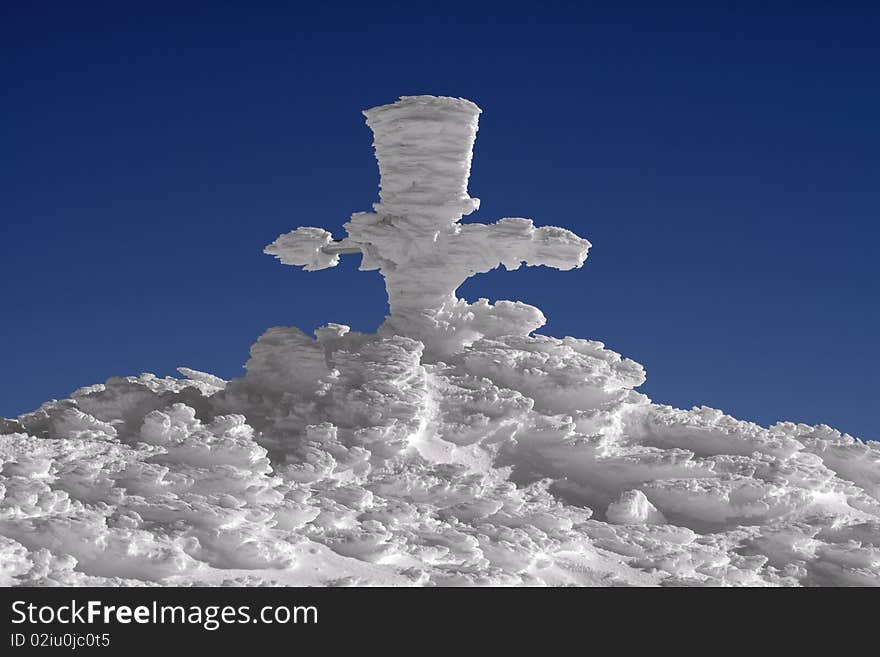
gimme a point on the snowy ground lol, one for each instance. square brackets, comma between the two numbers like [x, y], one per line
[346, 460]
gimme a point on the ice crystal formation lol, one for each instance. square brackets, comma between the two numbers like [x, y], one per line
[423, 145]
[452, 447]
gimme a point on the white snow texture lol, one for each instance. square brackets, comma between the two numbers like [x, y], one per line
[452, 447]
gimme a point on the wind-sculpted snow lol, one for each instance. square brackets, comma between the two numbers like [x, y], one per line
[347, 459]
[423, 145]
[453, 447]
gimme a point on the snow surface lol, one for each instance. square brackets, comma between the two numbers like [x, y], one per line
[452, 447]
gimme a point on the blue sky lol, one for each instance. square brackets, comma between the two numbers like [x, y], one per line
[724, 163]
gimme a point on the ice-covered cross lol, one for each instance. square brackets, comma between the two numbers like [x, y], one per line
[424, 146]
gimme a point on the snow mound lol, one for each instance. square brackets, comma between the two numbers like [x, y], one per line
[452, 447]
[521, 460]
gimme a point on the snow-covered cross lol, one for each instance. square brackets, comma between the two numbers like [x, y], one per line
[424, 146]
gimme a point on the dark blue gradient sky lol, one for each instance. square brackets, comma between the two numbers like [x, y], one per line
[724, 163]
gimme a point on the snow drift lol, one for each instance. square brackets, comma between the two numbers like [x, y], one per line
[452, 447]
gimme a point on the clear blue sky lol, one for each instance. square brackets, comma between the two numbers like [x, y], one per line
[724, 163]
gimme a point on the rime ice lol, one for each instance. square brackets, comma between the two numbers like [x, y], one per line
[424, 148]
[453, 447]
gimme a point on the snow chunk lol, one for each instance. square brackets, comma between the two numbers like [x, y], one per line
[633, 508]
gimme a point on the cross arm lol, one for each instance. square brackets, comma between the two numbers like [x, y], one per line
[310, 248]
[514, 241]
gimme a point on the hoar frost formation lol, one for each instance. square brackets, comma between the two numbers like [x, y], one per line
[452, 447]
